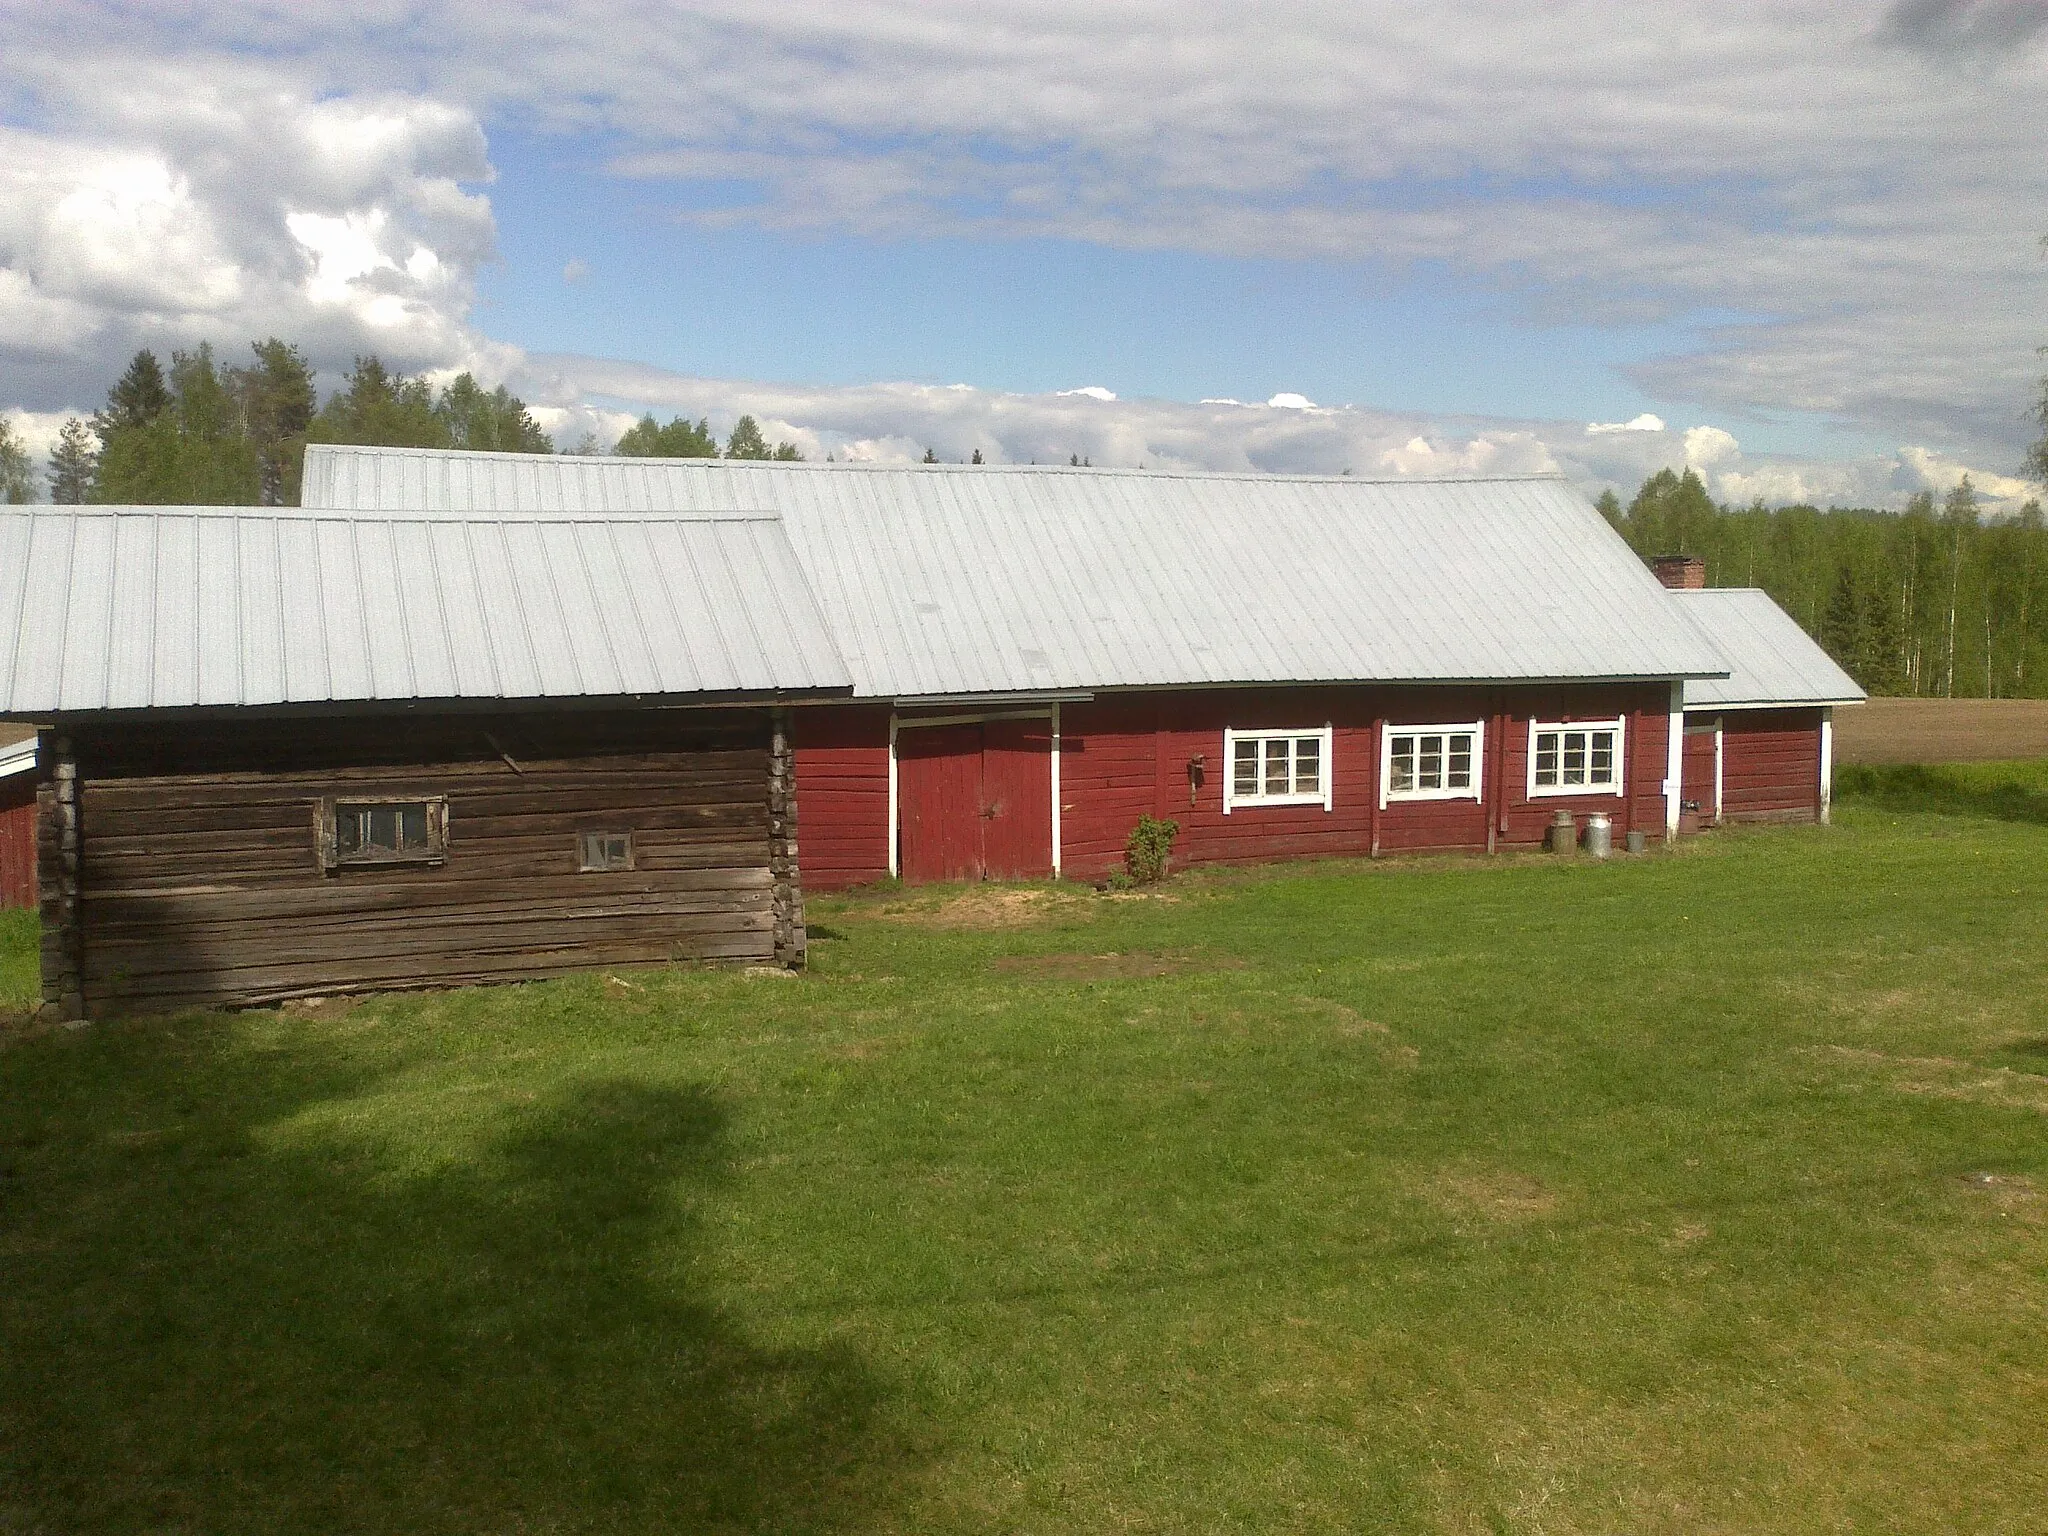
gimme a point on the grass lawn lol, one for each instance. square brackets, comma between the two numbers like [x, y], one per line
[1707, 1191]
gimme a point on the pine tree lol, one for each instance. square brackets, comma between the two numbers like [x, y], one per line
[380, 408]
[1841, 626]
[276, 399]
[1884, 642]
[977, 457]
[493, 421]
[746, 441]
[138, 397]
[1610, 507]
[73, 464]
[17, 480]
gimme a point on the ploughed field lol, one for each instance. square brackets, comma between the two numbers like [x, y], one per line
[1941, 730]
[1705, 1191]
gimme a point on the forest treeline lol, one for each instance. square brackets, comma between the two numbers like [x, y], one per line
[204, 433]
[1935, 600]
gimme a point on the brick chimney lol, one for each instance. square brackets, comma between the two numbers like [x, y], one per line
[1688, 573]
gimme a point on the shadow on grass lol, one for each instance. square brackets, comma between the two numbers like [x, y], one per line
[209, 1325]
[1999, 791]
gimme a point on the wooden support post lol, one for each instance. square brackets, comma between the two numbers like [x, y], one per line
[790, 939]
[58, 864]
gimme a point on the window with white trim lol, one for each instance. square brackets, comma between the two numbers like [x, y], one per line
[1277, 768]
[1432, 762]
[1576, 758]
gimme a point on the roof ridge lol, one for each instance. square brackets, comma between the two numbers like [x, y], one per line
[865, 467]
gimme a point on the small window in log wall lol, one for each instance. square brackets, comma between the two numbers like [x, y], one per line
[383, 830]
[606, 850]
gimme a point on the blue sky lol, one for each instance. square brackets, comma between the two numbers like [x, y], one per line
[1789, 244]
[659, 285]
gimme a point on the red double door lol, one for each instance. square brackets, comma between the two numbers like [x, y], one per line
[974, 801]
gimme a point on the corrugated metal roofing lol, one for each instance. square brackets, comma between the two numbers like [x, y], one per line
[940, 581]
[164, 607]
[1772, 660]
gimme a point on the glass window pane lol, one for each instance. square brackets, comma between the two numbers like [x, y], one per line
[1308, 765]
[384, 828]
[1429, 772]
[1244, 769]
[1574, 757]
[348, 829]
[1603, 758]
[1401, 769]
[1546, 759]
[1276, 766]
[412, 826]
[1459, 773]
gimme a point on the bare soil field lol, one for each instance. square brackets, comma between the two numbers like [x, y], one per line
[1941, 731]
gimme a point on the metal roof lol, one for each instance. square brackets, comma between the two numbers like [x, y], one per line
[942, 581]
[17, 756]
[162, 607]
[1772, 660]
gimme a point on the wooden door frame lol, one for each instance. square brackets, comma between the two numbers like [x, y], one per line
[898, 723]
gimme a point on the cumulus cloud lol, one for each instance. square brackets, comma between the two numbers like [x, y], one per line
[166, 212]
[898, 422]
[1643, 423]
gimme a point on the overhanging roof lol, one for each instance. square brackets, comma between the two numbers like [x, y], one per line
[111, 608]
[952, 580]
[1772, 661]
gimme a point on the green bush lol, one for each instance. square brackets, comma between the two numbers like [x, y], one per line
[1150, 849]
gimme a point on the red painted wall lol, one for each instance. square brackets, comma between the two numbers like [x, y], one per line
[1770, 765]
[842, 794]
[18, 840]
[1125, 756]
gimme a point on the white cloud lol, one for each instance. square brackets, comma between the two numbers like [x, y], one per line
[575, 270]
[1090, 391]
[1707, 447]
[896, 423]
[1643, 423]
[163, 211]
[1843, 188]
[1287, 402]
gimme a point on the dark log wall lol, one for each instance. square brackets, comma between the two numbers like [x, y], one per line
[1770, 765]
[1125, 756]
[18, 840]
[200, 879]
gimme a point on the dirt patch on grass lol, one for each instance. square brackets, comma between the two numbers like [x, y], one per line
[1349, 1023]
[1488, 1194]
[1945, 1077]
[1112, 967]
[2012, 1195]
[983, 907]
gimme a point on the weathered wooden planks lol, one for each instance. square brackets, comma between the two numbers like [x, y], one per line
[195, 875]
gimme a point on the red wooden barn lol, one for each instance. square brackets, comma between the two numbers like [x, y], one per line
[1759, 743]
[1285, 666]
[17, 819]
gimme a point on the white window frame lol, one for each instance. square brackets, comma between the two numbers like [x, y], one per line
[1618, 725]
[1324, 734]
[1476, 790]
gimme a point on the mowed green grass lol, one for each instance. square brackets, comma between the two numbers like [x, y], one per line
[1706, 1191]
